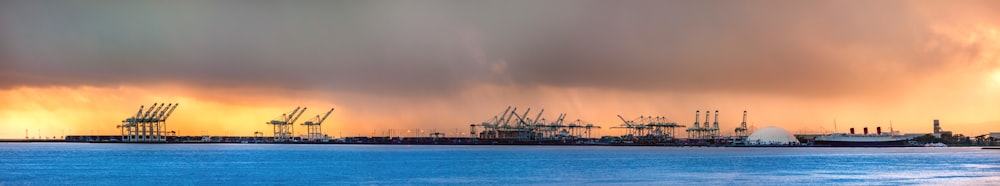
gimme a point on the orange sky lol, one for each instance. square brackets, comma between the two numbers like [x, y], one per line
[96, 110]
[80, 68]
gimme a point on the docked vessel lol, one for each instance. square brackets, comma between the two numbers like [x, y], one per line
[877, 139]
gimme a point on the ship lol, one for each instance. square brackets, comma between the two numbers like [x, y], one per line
[877, 139]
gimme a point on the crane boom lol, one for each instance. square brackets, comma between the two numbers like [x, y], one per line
[509, 116]
[288, 117]
[539, 116]
[504, 115]
[623, 120]
[145, 115]
[297, 116]
[137, 114]
[520, 118]
[152, 115]
[171, 111]
[159, 113]
[505, 118]
[324, 117]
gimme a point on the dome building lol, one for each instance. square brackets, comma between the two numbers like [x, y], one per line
[771, 136]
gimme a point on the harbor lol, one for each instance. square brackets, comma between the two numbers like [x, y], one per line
[512, 127]
[492, 92]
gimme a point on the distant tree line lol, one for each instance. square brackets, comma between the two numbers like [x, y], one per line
[958, 140]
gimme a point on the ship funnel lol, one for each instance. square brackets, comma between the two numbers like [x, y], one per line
[866, 130]
[878, 130]
[852, 130]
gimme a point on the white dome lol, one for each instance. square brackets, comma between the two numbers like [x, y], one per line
[772, 136]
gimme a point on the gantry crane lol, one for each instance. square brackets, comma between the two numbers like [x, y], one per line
[314, 129]
[695, 131]
[283, 126]
[526, 128]
[742, 130]
[631, 128]
[148, 126]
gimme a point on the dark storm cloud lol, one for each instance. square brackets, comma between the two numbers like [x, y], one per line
[439, 47]
[342, 46]
[789, 47]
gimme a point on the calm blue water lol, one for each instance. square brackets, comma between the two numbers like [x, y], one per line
[238, 164]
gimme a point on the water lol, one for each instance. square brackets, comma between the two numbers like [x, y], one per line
[268, 164]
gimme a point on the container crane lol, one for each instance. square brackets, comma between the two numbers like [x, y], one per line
[539, 116]
[742, 130]
[161, 121]
[291, 122]
[314, 129]
[128, 124]
[283, 127]
[154, 122]
[553, 128]
[140, 129]
[148, 124]
[521, 117]
[715, 125]
[707, 128]
[164, 119]
[490, 127]
[631, 128]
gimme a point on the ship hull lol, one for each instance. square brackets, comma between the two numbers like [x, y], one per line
[896, 143]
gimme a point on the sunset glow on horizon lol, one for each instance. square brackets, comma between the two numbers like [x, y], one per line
[79, 68]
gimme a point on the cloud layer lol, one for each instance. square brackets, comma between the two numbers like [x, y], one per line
[419, 62]
[439, 47]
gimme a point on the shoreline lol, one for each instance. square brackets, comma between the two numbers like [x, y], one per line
[484, 143]
[365, 140]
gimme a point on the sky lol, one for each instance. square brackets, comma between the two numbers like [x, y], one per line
[80, 67]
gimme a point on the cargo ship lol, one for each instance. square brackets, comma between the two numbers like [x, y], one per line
[877, 139]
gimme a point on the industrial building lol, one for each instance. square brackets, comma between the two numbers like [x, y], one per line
[772, 136]
[938, 132]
